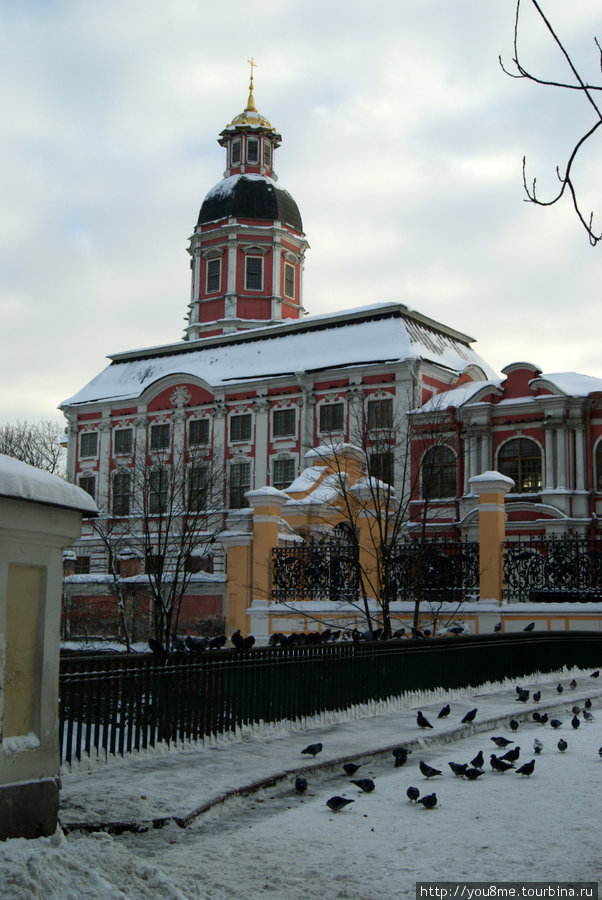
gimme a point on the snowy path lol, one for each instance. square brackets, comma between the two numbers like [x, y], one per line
[275, 843]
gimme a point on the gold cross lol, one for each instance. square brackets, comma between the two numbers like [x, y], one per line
[253, 65]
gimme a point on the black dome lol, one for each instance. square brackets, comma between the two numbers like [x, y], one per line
[250, 197]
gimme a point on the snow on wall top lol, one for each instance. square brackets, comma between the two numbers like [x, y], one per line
[457, 396]
[384, 335]
[23, 482]
[571, 383]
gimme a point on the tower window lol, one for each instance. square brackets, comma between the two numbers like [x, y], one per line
[254, 273]
[240, 428]
[198, 432]
[252, 151]
[159, 437]
[235, 153]
[214, 267]
[289, 280]
[123, 440]
[267, 155]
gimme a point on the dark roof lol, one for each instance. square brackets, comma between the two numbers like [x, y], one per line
[250, 197]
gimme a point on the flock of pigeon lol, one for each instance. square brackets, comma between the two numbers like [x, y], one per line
[501, 762]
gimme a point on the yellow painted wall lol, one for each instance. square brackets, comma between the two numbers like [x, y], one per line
[23, 627]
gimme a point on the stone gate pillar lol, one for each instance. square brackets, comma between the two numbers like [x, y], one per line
[491, 488]
[266, 504]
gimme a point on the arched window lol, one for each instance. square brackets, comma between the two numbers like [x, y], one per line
[438, 473]
[520, 459]
[598, 466]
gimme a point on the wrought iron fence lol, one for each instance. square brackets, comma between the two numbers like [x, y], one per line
[113, 705]
[315, 571]
[434, 570]
[553, 569]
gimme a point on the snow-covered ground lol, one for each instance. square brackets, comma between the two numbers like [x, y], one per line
[273, 842]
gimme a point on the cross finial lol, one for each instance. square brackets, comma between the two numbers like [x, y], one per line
[251, 100]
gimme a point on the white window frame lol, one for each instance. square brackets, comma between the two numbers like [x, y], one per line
[235, 143]
[88, 434]
[289, 267]
[283, 411]
[253, 141]
[283, 460]
[240, 440]
[117, 452]
[86, 475]
[267, 154]
[163, 447]
[322, 406]
[192, 443]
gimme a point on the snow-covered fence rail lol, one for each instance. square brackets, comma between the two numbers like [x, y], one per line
[116, 705]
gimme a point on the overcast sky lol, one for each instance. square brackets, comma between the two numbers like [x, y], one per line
[402, 145]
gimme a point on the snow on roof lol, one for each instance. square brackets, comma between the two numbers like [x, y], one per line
[570, 383]
[23, 482]
[386, 333]
[226, 186]
[457, 396]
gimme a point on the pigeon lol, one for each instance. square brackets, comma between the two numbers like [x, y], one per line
[178, 644]
[417, 633]
[473, 774]
[497, 627]
[527, 768]
[537, 696]
[458, 769]
[413, 794]
[498, 765]
[562, 745]
[428, 771]
[555, 723]
[479, 761]
[248, 642]
[595, 674]
[300, 784]
[157, 647]
[196, 644]
[576, 710]
[469, 717]
[536, 716]
[218, 642]
[537, 746]
[513, 724]
[588, 716]
[401, 756]
[559, 688]
[312, 749]
[588, 703]
[456, 629]
[429, 802]
[364, 784]
[422, 720]
[543, 719]
[336, 804]
[351, 768]
[512, 755]
[573, 684]
[522, 697]
[575, 722]
[238, 640]
[529, 627]
[501, 741]
[444, 712]
[600, 752]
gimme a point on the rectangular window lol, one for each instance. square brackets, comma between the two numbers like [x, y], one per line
[88, 444]
[88, 484]
[158, 487]
[198, 488]
[283, 422]
[283, 473]
[214, 271]
[123, 440]
[235, 153]
[382, 466]
[81, 565]
[198, 432]
[240, 483]
[254, 273]
[240, 428]
[121, 493]
[331, 417]
[380, 413]
[289, 280]
[267, 154]
[159, 437]
[252, 151]
[153, 563]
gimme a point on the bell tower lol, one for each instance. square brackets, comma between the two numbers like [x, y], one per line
[248, 246]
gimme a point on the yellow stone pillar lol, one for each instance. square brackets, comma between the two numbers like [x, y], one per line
[491, 487]
[238, 547]
[266, 504]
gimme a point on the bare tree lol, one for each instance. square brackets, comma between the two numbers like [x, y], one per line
[566, 175]
[39, 444]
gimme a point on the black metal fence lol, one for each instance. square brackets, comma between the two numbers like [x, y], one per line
[436, 570]
[553, 569]
[115, 705]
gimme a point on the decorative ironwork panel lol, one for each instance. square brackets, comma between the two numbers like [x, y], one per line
[434, 570]
[555, 569]
[315, 571]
